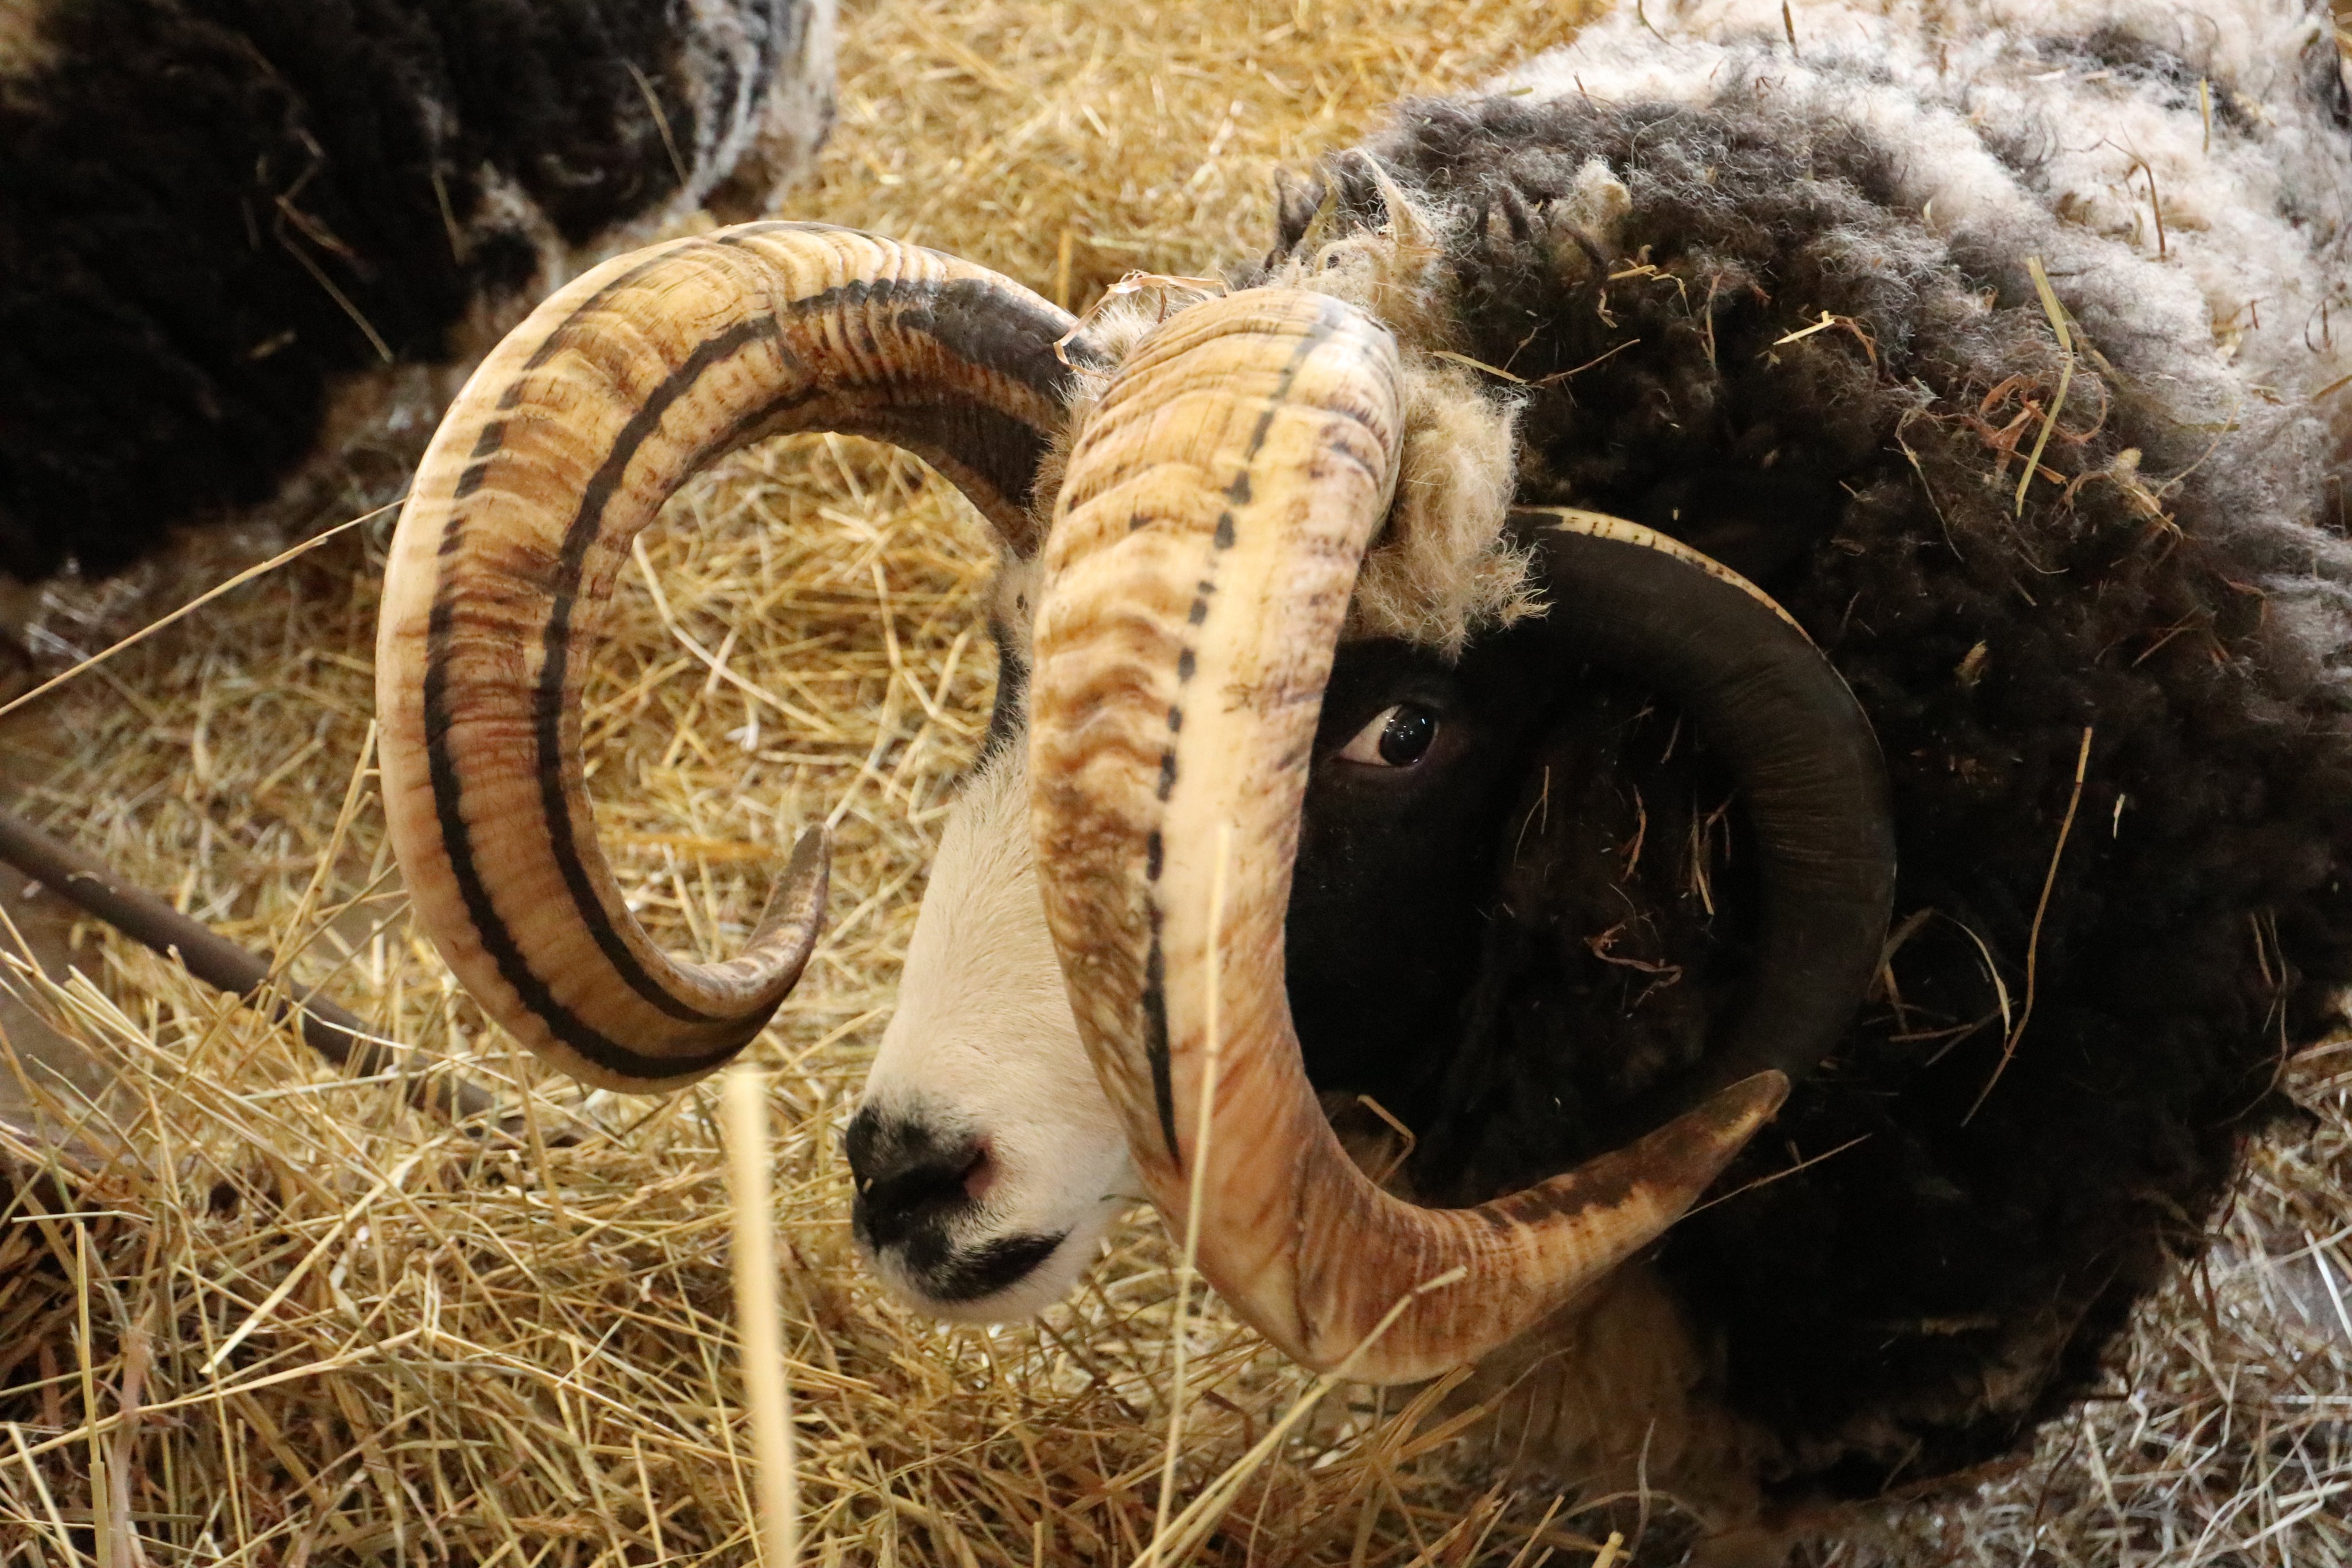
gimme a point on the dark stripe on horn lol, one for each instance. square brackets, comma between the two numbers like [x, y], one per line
[1155, 1036]
[984, 322]
[1008, 451]
[547, 703]
[1155, 964]
[457, 834]
[1003, 452]
[495, 939]
[977, 320]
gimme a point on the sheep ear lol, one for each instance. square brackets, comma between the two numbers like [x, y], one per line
[1204, 552]
[563, 446]
[1800, 747]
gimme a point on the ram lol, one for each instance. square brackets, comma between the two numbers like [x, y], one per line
[1832, 519]
[247, 245]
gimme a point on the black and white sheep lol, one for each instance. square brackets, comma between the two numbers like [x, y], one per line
[214, 212]
[1995, 340]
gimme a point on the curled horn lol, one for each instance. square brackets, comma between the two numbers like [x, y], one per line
[1205, 546]
[1800, 746]
[562, 445]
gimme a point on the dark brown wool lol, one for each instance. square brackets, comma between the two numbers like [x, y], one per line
[210, 209]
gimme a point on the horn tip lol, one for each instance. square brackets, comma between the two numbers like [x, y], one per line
[1766, 1091]
[1735, 1113]
[797, 906]
[812, 857]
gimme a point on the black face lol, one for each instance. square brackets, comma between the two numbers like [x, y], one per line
[1414, 764]
[1518, 908]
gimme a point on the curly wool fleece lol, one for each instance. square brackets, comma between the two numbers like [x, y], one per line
[1440, 569]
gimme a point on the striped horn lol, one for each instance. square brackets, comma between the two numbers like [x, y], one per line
[1204, 547]
[561, 448]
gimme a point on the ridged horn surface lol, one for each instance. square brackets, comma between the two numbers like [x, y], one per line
[1800, 747]
[561, 448]
[1204, 547]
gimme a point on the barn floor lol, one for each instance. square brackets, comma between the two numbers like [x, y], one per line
[302, 1325]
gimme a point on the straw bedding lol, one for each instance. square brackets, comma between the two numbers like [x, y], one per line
[300, 1323]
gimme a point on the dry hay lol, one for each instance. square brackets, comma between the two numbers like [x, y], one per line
[302, 1325]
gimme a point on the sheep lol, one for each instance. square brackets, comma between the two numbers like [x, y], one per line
[241, 245]
[946, 1114]
[1963, 376]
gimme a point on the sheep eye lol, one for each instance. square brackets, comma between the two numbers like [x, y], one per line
[1398, 737]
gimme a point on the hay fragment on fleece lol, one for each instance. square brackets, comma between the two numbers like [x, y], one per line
[457, 1351]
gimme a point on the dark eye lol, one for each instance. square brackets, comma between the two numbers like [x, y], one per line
[1398, 737]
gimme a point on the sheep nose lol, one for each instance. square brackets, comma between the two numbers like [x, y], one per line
[911, 1176]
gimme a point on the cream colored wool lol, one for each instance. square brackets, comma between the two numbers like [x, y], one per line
[1441, 567]
[2169, 228]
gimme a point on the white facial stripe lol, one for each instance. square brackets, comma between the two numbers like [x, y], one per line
[982, 1049]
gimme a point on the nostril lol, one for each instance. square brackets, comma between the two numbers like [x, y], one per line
[896, 1202]
[980, 1175]
[909, 1173]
